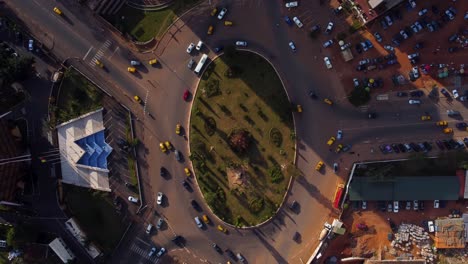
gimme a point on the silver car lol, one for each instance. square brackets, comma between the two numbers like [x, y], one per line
[241, 43]
[190, 63]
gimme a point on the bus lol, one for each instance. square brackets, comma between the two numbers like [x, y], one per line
[201, 63]
[338, 196]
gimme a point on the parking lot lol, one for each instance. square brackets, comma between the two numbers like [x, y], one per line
[434, 42]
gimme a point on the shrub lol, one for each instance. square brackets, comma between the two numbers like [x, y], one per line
[275, 174]
[210, 125]
[211, 88]
[276, 137]
[256, 204]
[249, 120]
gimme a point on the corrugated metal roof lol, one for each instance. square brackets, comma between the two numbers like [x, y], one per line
[402, 188]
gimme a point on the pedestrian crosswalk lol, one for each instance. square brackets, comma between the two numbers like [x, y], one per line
[143, 253]
[100, 53]
[363, 108]
[249, 3]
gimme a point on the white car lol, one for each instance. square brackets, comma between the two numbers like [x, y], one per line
[190, 48]
[412, 102]
[327, 63]
[403, 34]
[455, 94]
[292, 46]
[436, 203]
[364, 205]
[199, 45]
[241, 43]
[31, 45]
[291, 4]
[151, 253]
[329, 27]
[298, 22]
[415, 205]
[450, 14]
[422, 12]
[356, 82]
[134, 63]
[430, 226]
[159, 198]
[133, 199]
[328, 43]
[389, 48]
[222, 13]
[415, 72]
[161, 252]
[413, 55]
[339, 134]
[395, 206]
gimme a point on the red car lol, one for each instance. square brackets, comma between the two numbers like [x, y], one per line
[186, 95]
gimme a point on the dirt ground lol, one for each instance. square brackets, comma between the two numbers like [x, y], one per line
[374, 241]
[435, 49]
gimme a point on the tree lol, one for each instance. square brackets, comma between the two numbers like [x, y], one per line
[11, 237]
[230, 51]
[239, 140]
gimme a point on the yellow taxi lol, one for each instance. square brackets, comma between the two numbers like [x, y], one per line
[177, 129]
[57, 11]
[319, 166]
[328, 101]
[210, 30]
[99, 63]
[442, 123]
[299, 108]
[214, 11]
[153, 62]
[448, 130]
[222, 229]
[131, 69]
[331, 141]
[162, 147]
[187, 172]
[205, 219]
[137, 99]
[168, 145]
[228, 23]
[339, 148]
[425, 117]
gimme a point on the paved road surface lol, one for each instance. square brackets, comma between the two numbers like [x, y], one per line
[79, 35]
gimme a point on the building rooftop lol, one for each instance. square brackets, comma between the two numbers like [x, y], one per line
[84, 151]
[449, 233]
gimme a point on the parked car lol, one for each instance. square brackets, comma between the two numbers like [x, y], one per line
[378, 37]
[298, 22]
[327, 63]
[364, 205]
[328, 43]
[396, 206]
[436, 203]
[389, 48]
[329, 28]
[388, 20]
[288, 20]
[414, 102]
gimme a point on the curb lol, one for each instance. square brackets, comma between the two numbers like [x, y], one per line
[295, 145]
[149, 7]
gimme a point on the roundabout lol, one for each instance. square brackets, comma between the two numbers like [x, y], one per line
[242, 138]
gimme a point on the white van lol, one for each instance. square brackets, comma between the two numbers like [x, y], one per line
[198, 222]
[199, 45]
[149, 228]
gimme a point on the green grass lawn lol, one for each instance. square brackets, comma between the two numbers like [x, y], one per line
[96, 215]
[77, 96]
[144, 25]
[254, 100]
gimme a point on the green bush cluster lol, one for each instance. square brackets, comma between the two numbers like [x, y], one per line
[275, 174]
[212, 88]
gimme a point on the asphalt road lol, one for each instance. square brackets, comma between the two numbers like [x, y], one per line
[79, 35]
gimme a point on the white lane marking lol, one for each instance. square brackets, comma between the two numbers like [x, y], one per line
[87, 53]
[100, 53]
[115, 51]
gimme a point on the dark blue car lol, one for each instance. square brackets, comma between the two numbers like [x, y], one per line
[288, 20]
[219, 49]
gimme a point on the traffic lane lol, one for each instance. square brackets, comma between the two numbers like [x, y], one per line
[43, 20]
